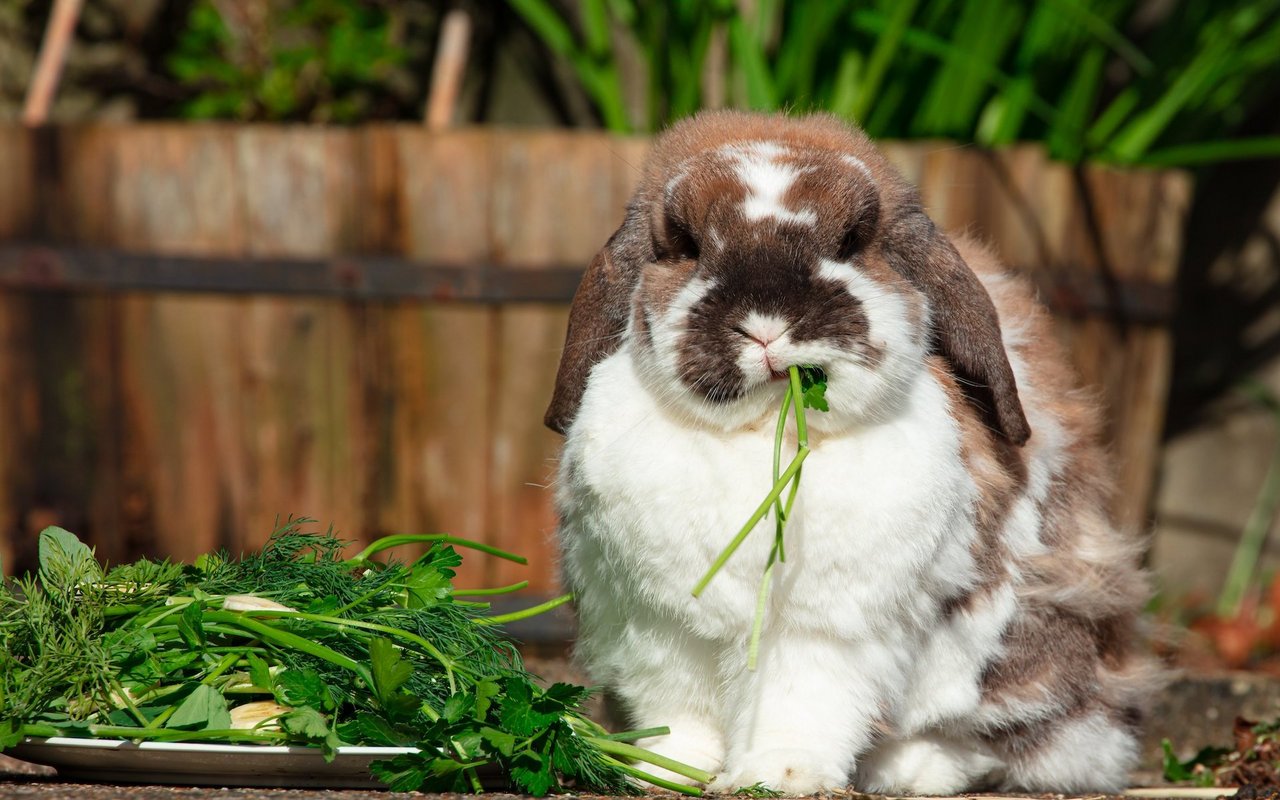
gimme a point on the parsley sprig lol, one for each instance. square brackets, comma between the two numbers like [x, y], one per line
[324, 651]
[806, 388]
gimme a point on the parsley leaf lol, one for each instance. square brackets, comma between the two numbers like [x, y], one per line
[813, 388]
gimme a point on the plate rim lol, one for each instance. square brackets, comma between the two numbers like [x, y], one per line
[208, 747]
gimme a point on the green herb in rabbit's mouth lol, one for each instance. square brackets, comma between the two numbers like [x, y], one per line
[807, 388]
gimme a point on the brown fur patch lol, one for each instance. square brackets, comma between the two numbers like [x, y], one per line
[1074, 644]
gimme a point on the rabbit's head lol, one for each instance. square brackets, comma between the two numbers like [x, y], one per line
[759, 242]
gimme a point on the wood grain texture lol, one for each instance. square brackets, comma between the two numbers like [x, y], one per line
[17, 214]
[437, 384]
[175, 424]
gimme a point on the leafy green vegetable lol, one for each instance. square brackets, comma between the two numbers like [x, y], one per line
[297, 645]
[1198, 769]
[807, 388]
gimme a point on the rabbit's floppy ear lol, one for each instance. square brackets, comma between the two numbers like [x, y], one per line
[597, 319]
[965, 328]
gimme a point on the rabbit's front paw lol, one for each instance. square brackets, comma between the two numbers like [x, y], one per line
[697, 745]
[790, 771]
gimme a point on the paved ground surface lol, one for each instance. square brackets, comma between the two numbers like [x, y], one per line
[43, 790]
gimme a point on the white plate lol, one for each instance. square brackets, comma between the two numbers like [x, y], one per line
[197, 764]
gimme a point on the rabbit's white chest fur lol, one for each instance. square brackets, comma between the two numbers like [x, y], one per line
[873, 544]
[881, 533]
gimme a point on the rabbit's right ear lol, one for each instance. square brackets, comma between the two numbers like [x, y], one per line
[597, 319]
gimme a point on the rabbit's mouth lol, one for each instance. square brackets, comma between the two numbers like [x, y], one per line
[775, 376]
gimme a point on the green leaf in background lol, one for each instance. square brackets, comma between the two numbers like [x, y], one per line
[882, 55]
[1177, 771]
[750, 58]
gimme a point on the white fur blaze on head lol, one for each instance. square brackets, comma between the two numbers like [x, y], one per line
[767, 181]
[666, 327]
[860, 166]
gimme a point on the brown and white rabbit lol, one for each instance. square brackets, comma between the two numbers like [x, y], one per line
[956, 610]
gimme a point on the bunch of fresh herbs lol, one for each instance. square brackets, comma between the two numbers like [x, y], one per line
[297, 645]
[806, 388]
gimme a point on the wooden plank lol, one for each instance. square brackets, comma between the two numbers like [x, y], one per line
[177, 192]
[543, 181]
[1141, 215]
[434, 364]
[16, 218]
[64, 465]
[42, 267]
[296, 188]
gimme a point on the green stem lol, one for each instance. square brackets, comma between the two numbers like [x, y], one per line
[631, 736]
[387, 542]
[802, 440]
[787, 474]
[121, 611]
[757, 623]
[802, 429]
[503, 619]
[179, 603]
[45, 730]
[778, 435]
[515, 587]
[118, 689]
[1245, 560]
[630, 751]
[277, 636]
[691, 791]
[450, 666]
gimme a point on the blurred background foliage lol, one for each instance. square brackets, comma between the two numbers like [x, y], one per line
[1161, 82]
[1114, 80]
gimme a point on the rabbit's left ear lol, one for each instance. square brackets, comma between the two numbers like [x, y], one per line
[966, 329]
[597, 319]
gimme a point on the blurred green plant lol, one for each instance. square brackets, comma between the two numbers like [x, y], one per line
[316, 60]
[1120, 81]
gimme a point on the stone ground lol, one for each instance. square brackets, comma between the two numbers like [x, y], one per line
[1194, 712]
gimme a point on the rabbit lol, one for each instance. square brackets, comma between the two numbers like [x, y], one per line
[957, 610]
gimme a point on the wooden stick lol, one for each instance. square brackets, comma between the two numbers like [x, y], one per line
[447, 72]
[53, 55]
[1192, 792]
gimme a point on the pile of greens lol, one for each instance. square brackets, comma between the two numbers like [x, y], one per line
[297, 645]
[807, 388]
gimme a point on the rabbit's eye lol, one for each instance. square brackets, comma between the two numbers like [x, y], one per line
[855, 238]
[861, 229]
[676, 242]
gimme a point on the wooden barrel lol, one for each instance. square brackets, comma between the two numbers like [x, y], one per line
[207, 328]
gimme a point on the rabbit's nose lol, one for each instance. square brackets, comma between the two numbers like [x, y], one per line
[763, 329]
